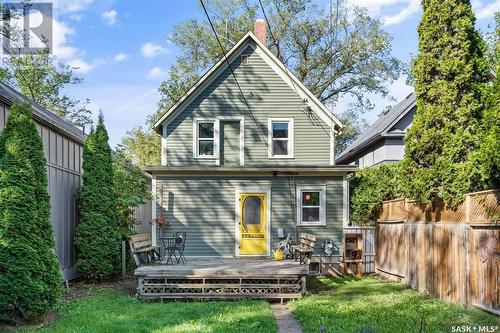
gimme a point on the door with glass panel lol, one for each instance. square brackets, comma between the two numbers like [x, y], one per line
[253, 223]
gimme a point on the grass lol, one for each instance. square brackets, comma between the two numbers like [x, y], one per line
[373, 305]
[110, 310]
[365, 305]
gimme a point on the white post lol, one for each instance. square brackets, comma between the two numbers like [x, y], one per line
[153, 210]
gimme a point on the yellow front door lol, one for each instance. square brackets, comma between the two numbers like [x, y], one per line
[253, 224]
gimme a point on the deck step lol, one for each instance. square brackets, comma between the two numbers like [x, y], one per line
[220, 288]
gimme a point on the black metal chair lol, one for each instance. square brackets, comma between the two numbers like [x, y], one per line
[180, 245]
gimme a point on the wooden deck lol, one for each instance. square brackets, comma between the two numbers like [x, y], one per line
[223, 278]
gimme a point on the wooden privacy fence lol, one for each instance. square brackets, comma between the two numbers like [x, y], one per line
[451, 254]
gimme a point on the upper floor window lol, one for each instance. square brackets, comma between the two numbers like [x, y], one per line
[204, 135]
[280, 137]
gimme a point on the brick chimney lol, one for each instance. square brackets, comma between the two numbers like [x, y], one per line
[260, 30]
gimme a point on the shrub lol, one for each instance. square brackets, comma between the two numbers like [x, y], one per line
[451, 75]
[131, 189]
[371, 186]
[97, 237]
[30, 278]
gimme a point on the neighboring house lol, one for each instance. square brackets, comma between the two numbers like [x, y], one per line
[63, 147]
[242, 168]
[382, 142]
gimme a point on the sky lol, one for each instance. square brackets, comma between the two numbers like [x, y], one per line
[122, 52]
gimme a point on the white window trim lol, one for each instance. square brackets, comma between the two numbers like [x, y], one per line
[215, 156]
[322, 204]
[291, 143]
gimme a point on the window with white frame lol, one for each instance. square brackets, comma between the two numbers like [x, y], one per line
[280, 133]
[205, 138]
[311, 205]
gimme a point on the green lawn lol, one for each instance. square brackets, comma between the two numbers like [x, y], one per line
[112, 310]
[373, 305]
[335, 305]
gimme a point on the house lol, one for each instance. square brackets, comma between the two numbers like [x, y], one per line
[382, 142]
[63, 148]
[247, 158]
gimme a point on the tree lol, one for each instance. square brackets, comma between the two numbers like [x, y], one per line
[345, 54]
[451, 75]
[131, 189]
[43, 80]
[30, 278]
[97, 236]
[142, 146]
[488, 155]
[354, 125]
[371, 186]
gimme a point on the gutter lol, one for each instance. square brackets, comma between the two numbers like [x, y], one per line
[272, 171]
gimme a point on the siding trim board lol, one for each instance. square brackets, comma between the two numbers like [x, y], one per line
[277, 171]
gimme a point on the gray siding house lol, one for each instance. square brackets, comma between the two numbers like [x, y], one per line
[247, 157]
[63, 148]
[382, 142]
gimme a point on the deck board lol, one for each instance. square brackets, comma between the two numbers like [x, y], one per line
[231, 267]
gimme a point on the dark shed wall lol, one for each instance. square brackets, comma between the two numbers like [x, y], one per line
[64, 170]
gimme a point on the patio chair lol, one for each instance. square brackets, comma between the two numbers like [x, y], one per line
[180, 245]
[173, 248]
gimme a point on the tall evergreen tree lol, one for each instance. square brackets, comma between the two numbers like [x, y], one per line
[450, 74]
[30, 278]
[97, 236]
[488, 157]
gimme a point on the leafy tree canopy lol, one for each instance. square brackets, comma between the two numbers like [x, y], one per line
[44, 80]
[131, 189]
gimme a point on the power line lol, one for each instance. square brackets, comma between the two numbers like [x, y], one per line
[232, 72]
[275, 42]
[287, 71]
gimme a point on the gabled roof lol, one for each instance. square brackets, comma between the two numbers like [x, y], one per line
[9, 96]
[379, 128]
[320, 109]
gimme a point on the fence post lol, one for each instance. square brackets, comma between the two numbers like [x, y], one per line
[124, 259]
[467, 208]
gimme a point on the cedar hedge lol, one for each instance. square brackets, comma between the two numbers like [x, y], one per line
[97, 236]
[451, 77]
[30, 279]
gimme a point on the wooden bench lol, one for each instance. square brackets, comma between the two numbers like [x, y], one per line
[141, 246]
[305, 247]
